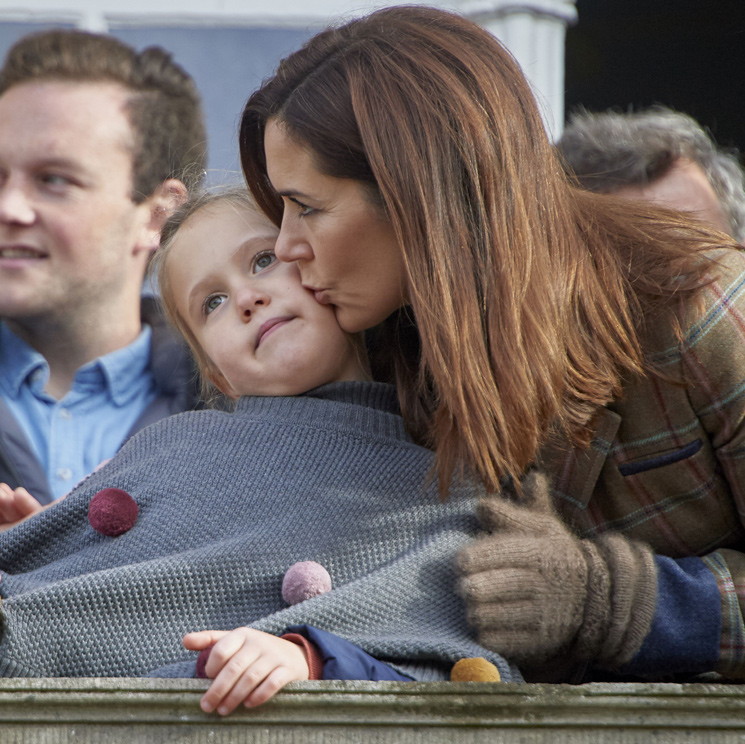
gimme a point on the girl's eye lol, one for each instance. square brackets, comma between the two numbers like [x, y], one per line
[263, 261]
[212, 302]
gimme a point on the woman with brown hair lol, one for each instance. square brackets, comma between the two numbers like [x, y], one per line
[530, 327]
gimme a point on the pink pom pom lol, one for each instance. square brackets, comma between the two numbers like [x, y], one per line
[112, 512]
[304, 580]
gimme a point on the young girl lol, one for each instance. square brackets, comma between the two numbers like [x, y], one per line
[312, 465]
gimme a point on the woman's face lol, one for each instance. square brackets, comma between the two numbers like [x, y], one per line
[343, 244]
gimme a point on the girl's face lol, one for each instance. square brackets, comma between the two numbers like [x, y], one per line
[343, 245]
[249, 312]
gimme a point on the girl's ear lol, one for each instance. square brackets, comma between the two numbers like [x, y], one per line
[160, 205]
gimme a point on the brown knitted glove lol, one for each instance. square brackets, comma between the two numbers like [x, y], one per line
[536, 592]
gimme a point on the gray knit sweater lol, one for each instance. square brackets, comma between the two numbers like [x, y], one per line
[228, 502]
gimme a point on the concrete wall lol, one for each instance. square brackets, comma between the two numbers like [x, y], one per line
[141, 711]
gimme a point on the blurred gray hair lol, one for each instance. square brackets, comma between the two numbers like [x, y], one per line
[608, 150]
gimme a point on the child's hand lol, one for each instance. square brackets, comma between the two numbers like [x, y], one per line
[246, 666]
[15, 506]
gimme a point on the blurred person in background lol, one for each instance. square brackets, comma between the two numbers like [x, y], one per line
[660, 155]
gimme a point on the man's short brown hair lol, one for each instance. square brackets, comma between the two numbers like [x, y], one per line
[165, 107]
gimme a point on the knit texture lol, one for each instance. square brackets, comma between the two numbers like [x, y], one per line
[538, 593]
[227, 503]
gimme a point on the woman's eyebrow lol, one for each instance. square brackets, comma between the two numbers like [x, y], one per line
[293, 194]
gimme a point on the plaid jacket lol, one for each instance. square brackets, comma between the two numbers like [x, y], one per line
[667, 463]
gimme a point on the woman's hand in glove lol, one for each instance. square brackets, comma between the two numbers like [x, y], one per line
[536, 591]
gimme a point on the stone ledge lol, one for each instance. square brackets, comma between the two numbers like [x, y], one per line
[147, 711]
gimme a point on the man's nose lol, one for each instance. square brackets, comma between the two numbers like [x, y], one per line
[15, 205]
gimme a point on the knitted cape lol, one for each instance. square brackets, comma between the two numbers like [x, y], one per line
[227, 503]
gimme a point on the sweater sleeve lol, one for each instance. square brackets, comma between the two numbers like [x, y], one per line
[684, 637]
[728, 569]
[344, 660]
[713, 358]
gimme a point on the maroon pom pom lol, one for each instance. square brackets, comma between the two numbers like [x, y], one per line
[112, 512]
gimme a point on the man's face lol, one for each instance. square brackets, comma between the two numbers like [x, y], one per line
[684, 187]
[71, 238]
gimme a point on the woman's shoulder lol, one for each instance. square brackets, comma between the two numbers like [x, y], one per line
[722, 296]
[711, 322]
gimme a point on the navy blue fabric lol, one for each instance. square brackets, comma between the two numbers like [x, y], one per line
[641, 466]
[684, 637]
[344, 660]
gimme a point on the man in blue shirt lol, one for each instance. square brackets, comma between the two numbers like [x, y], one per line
[98, 145]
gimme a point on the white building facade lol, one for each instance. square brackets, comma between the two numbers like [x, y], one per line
[229, 46]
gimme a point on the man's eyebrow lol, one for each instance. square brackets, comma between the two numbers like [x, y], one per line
[60, 162]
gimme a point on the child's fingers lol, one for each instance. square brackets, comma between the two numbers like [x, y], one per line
[8, 509]
[270, 686]
[238, 675]
[26, 504]
[236, 690]
[16, 504]
[244, 660]
[202, 639]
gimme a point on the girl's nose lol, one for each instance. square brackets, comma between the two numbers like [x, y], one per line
[249, 297]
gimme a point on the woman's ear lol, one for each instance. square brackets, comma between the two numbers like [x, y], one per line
[159, 206]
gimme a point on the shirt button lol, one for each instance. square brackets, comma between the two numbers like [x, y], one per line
[64, 473]
[65, 414]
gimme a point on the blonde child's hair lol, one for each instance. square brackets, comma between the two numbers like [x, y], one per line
[213, 381]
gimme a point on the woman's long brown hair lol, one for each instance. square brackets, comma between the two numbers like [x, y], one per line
[530, 296]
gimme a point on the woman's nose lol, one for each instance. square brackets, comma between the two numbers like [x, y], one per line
[291, 245]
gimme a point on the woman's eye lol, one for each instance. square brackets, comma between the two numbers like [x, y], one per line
[212, 302]
[263, 261]
[302, 209]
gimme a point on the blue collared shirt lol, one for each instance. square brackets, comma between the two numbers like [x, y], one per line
[71, 436]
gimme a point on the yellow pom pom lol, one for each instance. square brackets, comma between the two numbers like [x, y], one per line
[474, 670]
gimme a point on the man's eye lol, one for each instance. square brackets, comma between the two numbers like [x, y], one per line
[212, 302]
[54, 179]
[263, 261]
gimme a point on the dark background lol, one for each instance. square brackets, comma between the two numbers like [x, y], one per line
[687, 54]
